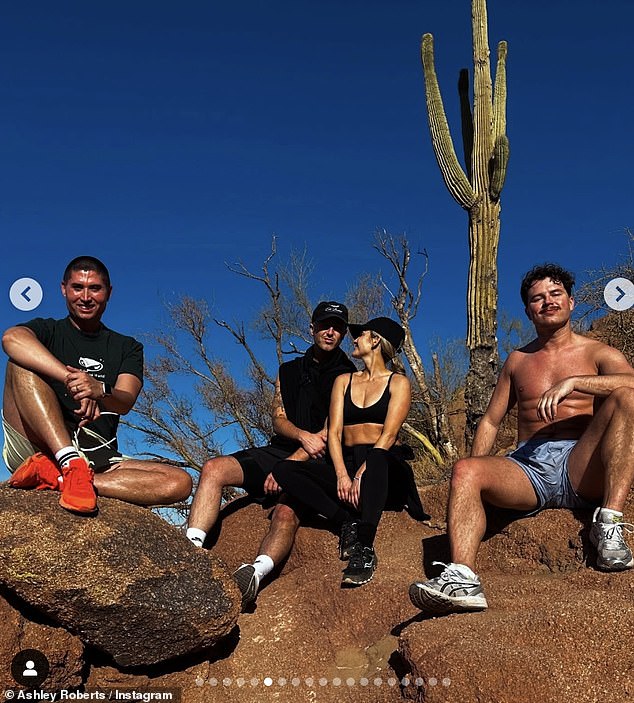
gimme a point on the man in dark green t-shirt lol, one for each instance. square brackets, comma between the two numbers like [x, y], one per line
[66, 385]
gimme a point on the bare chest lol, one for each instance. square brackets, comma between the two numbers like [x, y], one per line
[540, 371]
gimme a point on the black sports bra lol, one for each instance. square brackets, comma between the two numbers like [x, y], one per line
[375, 413]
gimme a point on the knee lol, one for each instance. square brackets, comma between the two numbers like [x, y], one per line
[464, 472]
[377, 461]
[214, 471]
[284, 517]
[178, 485]
[623, 398]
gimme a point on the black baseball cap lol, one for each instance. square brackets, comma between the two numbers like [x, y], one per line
[330, 308]
[384, 326]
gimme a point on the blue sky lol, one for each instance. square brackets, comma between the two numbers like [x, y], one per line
[167, 138]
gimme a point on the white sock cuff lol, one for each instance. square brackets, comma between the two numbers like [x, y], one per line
[608, 515]
[263, 565]
[196, 536]
[463, 569]
[65, 455]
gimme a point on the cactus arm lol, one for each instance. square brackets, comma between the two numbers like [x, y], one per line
[482, 99]
[466, 118]
[499, 163]
[455, 179]
[499, 93]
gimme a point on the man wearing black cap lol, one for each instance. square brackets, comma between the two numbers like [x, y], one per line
[300, 412]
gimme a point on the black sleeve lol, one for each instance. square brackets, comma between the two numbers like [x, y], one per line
[42, 327]
[132, 362]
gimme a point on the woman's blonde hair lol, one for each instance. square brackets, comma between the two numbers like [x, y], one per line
[389, 354]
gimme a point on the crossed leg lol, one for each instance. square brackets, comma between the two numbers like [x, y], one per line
[32, 409]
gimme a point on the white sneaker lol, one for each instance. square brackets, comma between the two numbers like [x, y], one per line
[457, 589]
[613, 554]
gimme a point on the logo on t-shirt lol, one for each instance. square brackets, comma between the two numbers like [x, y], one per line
[90, 364]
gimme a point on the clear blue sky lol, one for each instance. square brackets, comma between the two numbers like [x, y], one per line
[167, 138]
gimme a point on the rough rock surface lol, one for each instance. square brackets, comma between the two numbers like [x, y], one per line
[25, 628]
[124, 581]
[556, 628]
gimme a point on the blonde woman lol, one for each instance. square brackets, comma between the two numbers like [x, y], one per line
[366, 467]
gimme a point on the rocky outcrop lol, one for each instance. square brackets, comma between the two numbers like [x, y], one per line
[556, 629]
[124, 581]
[24, 628]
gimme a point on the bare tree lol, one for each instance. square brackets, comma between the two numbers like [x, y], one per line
[616, 327]
[405, 301]
[193, 401]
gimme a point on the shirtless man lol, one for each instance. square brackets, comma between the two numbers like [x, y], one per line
[575, 399]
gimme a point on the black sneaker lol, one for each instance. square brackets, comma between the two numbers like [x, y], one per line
[248, 583]
[361, 566]
[347, 539]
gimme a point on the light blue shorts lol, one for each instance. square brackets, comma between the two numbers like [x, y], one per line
[545, 464]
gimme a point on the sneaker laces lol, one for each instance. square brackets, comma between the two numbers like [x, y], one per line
[358, 556]
[613, 535]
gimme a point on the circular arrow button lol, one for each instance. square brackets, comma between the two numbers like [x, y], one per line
[619, 294]
[26, 294]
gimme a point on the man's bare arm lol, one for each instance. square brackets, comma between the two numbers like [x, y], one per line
[502, 400]
[614, 371]
[313, 444]
[25, 349]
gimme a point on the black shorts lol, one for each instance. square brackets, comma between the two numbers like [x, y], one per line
[256, 465]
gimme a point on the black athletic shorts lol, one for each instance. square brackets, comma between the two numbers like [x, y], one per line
[256, 465]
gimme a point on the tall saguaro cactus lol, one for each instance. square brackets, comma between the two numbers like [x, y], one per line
[486, 149]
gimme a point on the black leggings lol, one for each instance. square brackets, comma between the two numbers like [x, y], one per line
[315, 485]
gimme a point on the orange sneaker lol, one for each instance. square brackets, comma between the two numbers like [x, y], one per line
[78, 491]
[39, 472]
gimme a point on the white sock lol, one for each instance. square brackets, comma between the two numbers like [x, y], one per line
[196, 536]
[263, 565]
[65, 455]
[465, 570]
[610, 516]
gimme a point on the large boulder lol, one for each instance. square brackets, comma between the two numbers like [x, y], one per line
[124, 581]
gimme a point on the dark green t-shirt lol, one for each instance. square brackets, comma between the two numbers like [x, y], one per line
[104, 355]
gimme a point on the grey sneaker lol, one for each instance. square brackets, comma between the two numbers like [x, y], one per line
[454, 591]
[613, 554]
[248, 583]
[347, 539]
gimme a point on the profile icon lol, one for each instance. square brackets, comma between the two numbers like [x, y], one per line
[30, 667]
